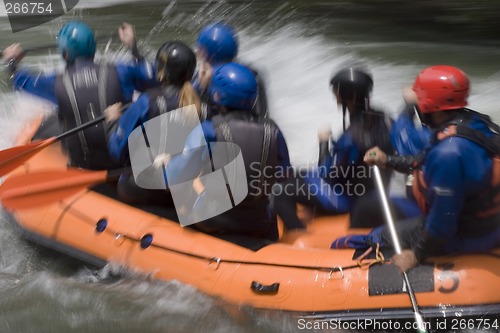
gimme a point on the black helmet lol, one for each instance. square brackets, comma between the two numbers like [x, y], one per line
[352, 82]
[352, 85]
[175, 62]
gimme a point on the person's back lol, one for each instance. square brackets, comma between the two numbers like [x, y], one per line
[459, 166]
[260, 153]
[456, 177]
[85, 89]
[341, 179]
[83, 92]
[175, 63]
[367, 128]
[263, 148]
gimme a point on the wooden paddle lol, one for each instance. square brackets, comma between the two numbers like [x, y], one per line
[11, 158]
[45, 187]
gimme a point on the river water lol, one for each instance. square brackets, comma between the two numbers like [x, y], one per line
[296, 45]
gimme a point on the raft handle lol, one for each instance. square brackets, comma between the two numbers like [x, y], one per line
[217, 261]
[336, 269]
[259, 288]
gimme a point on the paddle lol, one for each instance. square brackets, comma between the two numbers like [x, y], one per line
[36, 48]
[397, 247]
[53, 45]
[45, 187]
[14, 157]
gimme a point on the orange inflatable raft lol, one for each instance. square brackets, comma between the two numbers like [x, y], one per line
[299, 273]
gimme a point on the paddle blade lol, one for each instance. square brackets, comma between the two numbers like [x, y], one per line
[14, 157]
[43, 188]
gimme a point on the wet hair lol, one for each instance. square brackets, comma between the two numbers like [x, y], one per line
[189, 96]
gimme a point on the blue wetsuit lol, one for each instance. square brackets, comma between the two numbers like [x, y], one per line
[252, 216]
[82, 93]
[136, 76]
[189, 164]
[135, 115]
[455, 183]
[408, 138]
[455, 186]
[152, 103]
[341, 178]
[344, 170]
[456, 171]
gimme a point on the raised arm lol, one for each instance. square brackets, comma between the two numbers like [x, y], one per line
[39, 85]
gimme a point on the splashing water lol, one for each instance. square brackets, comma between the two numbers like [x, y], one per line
[43, 293]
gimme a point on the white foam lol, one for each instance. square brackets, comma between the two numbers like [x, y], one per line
[298, 69]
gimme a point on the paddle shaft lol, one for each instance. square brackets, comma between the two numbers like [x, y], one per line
[36, 48]
[54, 45]
[397, 247]
[81, 127]
[12, 158]
[86, 125]
[387, 210]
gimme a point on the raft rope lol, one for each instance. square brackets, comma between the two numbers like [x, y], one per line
[217, 260]
[379, 257]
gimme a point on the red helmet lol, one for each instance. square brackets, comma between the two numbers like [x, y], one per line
[440, 88]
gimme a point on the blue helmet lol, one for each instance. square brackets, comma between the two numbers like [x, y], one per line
[219, 41]
[75, 40]
[234, 86]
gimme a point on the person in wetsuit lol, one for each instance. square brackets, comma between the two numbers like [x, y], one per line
[457, 181]
[217, 44]
[84, 89]
[408, 135]
[175, 65]
[234, 89]
[341, 177]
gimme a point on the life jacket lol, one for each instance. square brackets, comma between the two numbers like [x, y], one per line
[162, 100]
[481, 213]
[259, 147]
[83, 93]
[368, 129]
[258, 143]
